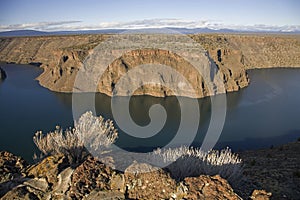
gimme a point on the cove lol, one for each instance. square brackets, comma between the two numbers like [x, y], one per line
[265, 113]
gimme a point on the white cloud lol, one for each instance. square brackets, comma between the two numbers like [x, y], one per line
[147, 23]
[36, 26]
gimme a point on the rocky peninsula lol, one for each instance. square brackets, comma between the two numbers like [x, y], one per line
[61, 57]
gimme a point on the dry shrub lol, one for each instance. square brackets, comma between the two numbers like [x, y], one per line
[89, 132]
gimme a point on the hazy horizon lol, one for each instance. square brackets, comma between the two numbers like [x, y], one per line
[94, 15]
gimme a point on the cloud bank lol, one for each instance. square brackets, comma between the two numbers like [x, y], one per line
[42, 26]
[147, 23]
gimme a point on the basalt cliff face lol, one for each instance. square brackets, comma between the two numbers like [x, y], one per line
[61, 57]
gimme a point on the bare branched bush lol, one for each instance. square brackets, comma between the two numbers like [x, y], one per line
[96, 133]
[185, 162]
[90, 131]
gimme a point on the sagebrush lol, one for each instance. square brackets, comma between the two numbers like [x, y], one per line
[186, 162]
[89, 132]
[97, 135]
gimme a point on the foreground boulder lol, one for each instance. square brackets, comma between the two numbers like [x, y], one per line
[11, 171]
[206, 187]
[144, 181]
[11, 166]
[93, 176]
[49, 168]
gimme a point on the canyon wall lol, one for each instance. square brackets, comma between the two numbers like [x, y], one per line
[61, 57]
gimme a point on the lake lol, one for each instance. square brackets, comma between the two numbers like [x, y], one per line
[265, 113]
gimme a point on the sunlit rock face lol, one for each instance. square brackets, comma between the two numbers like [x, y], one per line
[62, 57]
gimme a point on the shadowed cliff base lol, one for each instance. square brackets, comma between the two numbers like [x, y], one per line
[2, 74]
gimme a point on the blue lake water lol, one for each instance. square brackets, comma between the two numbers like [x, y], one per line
[265, 113]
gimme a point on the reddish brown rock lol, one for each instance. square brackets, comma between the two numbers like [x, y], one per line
[91, 175]
[206, 187]
[144, 181]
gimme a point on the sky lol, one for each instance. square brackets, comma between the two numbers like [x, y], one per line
[53, 15]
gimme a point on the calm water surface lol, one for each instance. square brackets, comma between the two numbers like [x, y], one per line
[265, 113]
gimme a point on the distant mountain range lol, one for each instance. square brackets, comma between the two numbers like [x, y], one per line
[17, 33]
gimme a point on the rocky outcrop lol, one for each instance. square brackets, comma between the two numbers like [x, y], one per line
[144, 181]
[206, 187]
[251, 51]
[2, 74]
[55, 178]
[59, 56]
[93, 175]
[167, 83]
[62, 56]
[11, 168]
[275, 169]
[48, 168]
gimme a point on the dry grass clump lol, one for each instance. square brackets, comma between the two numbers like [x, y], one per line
[186, 162]
[89, 132]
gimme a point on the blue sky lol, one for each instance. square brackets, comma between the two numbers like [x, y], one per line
[94, 14]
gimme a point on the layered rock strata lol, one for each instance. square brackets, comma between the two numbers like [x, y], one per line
[62, 57]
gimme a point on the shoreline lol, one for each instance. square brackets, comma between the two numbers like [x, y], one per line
[145, 95]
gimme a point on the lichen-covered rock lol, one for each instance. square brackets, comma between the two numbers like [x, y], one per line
[207, 187]
[37, 184]
[49, 168]
[117, 182]
[144, 181]
[20, 193]
[11, 171]
[11, 166]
